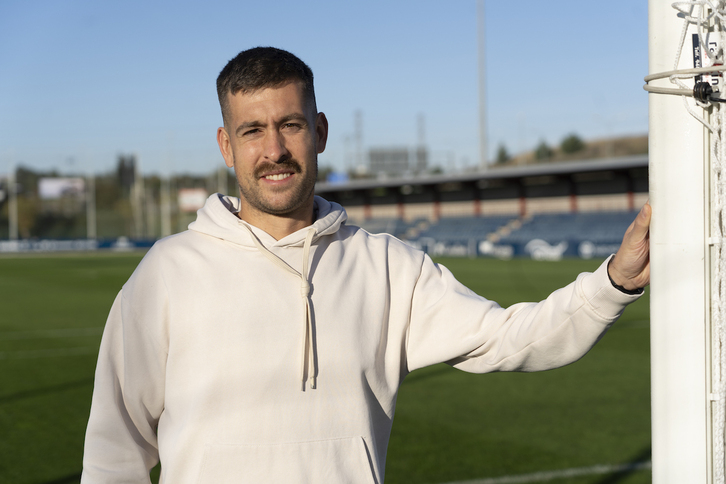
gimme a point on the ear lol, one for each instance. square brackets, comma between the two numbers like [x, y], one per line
[321, 131]
[225, 147]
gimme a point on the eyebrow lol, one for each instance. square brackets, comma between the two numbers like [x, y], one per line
[245, 126]
[259, 124]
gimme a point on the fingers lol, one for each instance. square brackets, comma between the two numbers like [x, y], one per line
[631, 268]
[641, 224]
[638, 230]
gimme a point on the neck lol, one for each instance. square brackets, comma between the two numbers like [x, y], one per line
[278, 226]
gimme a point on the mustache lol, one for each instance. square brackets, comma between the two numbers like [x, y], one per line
[289, 164]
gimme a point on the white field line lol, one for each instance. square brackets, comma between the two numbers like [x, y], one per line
[560, 474]
[50, 333]
[31, 354]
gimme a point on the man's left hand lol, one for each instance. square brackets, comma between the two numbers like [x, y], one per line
[630, 268]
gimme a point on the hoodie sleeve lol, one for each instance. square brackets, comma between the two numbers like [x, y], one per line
[128, 394]
[449, 323]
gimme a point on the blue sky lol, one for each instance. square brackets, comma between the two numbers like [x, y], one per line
[82, 81]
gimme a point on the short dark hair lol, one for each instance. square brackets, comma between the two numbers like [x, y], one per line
[259, 68]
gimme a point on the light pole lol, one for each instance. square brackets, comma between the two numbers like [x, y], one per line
[483, 148]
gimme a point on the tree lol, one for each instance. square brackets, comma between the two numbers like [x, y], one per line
[543, 151]
[126, 172]
[502, 154]
[572, 144]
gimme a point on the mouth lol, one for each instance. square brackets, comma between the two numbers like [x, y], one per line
[277, 177]
[278, 172]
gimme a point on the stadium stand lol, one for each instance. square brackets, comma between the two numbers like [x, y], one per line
[543, 211]
[541, 236]
[464, 228]
[596, 227]
[395, 227]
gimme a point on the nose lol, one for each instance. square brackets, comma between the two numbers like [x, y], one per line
[275, 149]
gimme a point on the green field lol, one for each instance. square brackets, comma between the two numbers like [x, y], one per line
[449, 426]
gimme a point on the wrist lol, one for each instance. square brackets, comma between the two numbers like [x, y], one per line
[631, 292]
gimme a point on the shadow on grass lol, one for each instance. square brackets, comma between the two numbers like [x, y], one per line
[37, 392]
[640, 458]
[69, 479]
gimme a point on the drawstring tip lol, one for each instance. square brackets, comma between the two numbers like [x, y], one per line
[312, 382]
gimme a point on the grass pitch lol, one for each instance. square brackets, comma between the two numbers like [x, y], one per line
[453, 426]
[449, 425]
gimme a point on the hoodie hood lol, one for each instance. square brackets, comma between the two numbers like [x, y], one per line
[218, 218]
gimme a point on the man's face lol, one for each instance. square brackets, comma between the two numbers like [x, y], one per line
[272, 138]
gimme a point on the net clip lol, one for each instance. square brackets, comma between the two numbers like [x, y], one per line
[704, 93]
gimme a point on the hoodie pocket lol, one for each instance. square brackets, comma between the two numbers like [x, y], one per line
[322, 461]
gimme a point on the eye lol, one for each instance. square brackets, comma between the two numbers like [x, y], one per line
[292, 126]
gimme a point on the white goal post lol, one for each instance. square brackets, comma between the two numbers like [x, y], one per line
[686, 313]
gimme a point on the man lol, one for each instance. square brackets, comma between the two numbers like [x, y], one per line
[267, 343]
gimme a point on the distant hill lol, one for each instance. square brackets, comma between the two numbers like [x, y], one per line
[594, 149]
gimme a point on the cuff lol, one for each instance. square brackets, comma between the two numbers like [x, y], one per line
[631, 292]
[604, 298]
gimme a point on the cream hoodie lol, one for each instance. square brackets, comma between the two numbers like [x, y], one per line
[236, 358]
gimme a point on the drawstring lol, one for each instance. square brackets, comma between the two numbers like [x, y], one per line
[309, 369]
[308, 345]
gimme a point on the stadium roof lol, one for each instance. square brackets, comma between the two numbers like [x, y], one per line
[543, 169]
